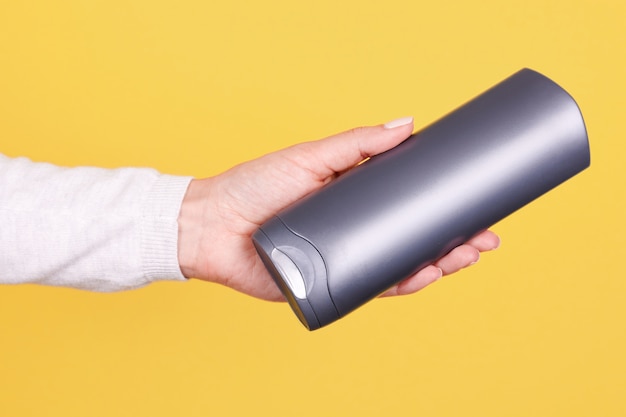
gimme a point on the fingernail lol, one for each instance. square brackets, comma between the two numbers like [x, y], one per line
[398, 122]
[440, 274]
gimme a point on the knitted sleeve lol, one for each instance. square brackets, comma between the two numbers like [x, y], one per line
[91, 228]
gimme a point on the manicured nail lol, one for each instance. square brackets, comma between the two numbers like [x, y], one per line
[440, 274]
[398, 122]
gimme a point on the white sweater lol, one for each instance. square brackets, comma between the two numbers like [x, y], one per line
[91, 228]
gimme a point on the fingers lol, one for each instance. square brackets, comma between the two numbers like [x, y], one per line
[423, 278]
[469, 253]
[340, 152]
[460, 257]
[457, 259]
[485, 241]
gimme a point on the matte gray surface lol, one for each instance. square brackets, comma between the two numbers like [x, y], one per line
[402, 210]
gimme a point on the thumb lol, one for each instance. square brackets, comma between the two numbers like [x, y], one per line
[340, 152]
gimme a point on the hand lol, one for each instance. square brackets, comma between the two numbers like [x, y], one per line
[219, 214]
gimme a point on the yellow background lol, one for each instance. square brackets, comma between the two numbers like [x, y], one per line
[194, 87]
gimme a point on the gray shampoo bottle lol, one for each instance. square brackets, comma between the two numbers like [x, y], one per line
[401, 210]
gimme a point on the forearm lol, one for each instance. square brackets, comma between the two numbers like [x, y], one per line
[90, 228]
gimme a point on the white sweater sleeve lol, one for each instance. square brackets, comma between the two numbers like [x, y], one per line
[90, 228]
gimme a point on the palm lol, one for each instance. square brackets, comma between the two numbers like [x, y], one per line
[245, 202]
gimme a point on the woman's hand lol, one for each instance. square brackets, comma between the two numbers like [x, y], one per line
[219, 214]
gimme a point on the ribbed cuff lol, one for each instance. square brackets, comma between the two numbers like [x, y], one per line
[159, 224]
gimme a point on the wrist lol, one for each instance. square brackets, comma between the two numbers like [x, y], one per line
[190, 229]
